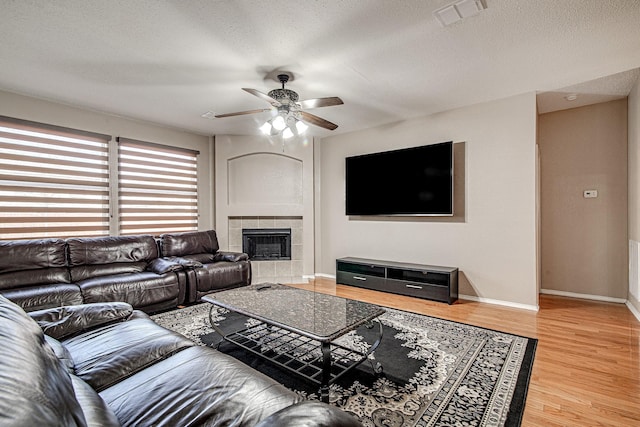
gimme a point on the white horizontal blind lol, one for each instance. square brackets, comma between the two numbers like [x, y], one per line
[54, 182]
[158, 188]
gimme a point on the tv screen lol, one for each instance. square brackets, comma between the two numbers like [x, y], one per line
[411, 181]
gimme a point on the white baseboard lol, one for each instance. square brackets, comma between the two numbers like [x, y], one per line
[500, 302]
[633, 310]
[583, 296]
[328, 276]
[529, 307]
[467, 297]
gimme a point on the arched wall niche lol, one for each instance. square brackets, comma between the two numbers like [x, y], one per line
[264, 179]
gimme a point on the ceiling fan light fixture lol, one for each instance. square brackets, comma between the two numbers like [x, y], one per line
[287, 133]
[279, 123]
[301, 127]
[287, 112]
[266, 127]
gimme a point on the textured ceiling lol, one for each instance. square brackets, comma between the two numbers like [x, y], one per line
[604, 89]
[171, 61]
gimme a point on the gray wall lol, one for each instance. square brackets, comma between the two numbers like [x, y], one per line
[584, 241]
[493, 244]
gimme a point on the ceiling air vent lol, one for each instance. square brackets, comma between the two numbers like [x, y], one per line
[459, 10]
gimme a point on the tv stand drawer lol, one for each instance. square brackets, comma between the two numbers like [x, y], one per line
[416, 280]
[419, 290]
[361, 280]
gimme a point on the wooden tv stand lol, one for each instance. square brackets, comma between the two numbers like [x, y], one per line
[416, 280]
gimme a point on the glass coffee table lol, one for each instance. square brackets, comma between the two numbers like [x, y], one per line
[297, 329]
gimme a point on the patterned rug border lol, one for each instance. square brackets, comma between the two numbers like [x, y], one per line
[511, 388]
[519, 397]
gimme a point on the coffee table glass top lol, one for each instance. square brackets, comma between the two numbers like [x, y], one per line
[317, 316]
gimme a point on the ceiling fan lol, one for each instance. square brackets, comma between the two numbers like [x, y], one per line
[289, 115]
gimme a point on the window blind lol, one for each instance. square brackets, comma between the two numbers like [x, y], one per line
[54, 182]
[157, 188]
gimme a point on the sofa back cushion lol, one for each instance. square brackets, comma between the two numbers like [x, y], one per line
[32, 262]
[190, 243]
[105, 256]
[35, 388]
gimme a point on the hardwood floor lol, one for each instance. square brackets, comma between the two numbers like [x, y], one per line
[587, 365]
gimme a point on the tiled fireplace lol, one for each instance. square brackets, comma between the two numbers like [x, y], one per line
[267, 244]
[263, 268]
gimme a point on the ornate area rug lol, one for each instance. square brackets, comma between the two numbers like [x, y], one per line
[435, 372]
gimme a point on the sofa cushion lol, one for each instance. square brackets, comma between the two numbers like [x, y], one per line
[194, 242]
[231, 256]
[197, 386]
[166, 265]
[61, 353]
[107, 354]
[25, 265]
[95, 410]
[30, 277]
[138, 289]
[35, 388]
[84, 272]
[221, 275]
[60, 322]
[44, 296]
[310, 414]
[18, 255]
[105, 256]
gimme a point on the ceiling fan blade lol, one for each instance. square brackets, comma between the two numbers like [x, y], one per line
[263, 96]
[318, 121]
[241, 113]
[321, 102]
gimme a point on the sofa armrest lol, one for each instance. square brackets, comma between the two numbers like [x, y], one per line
[164, 265]
[60, 322]
[310, 414]
[230, 256]
[185, 262]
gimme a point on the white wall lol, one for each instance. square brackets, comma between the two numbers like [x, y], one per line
[634, 174]
[277, 172]
[38, 110]
[494, 246]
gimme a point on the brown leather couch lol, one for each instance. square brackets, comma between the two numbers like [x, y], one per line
[38, 274]
[212, 269]
[105, 364]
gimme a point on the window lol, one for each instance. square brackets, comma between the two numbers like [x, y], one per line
[157, 188]
[60, 182]
[54, 182]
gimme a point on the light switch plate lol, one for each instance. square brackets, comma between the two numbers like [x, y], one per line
[590, 194]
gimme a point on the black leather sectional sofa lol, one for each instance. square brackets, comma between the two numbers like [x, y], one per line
[148, 273]
[105, 364]
[76, 352]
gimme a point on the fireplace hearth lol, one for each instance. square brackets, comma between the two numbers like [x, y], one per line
[267, 244]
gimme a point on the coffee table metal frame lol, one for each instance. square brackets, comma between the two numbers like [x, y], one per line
[292, 349]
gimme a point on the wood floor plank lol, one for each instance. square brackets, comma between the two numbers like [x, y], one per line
[586, 370]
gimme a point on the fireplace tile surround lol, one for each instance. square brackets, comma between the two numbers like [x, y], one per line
[281, 271]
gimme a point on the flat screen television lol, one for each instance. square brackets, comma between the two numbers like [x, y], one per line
[414, 181]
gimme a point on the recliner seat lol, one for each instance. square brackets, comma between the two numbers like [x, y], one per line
[213, 269]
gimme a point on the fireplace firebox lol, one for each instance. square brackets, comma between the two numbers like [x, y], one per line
[267, 244]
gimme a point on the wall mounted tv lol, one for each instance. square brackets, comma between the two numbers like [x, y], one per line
[414, 181]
